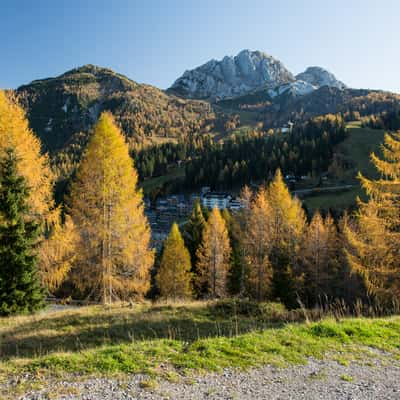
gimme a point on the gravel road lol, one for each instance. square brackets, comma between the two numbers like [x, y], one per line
[375, 379]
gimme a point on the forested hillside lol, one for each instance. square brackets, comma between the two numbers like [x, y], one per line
[276, 111]
[60, 108]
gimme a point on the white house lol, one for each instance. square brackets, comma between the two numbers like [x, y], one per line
[216, 199]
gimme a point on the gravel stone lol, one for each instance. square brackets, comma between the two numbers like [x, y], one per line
[379, 378]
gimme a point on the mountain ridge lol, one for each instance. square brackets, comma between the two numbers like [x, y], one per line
[249, 71]
[61, 106]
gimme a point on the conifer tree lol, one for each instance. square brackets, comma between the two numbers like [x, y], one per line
[239, 274]
[20, 290]
[113, 259]
[320, 259]
[374, 240]
[32, 165]
[194, 231]
[257, 242]
[235, 262]
[174, 275]
[287, 227]
[58, 252]
[35, 168]
[213, 256]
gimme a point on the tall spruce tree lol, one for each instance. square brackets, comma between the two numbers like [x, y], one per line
[174, 277]
[194, 231]
[20, 290]
[113, 258]
[374, 239]
[239, 273]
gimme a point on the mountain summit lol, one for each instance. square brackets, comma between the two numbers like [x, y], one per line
[248, 72]
[319, 77]
[61, 108]
[233, 76]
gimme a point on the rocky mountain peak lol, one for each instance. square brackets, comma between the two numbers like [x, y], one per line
[318, 77]
[233, 76]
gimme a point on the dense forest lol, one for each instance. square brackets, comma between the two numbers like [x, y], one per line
[386, 120]
[307, 150]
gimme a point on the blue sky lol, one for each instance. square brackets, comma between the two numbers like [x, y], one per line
[155, 41]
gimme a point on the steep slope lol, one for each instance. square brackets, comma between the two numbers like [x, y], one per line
[232, 76]
[60, 108]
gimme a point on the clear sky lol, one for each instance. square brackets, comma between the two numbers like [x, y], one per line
[156, 41]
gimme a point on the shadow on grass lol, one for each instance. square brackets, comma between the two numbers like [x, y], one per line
[76, 331]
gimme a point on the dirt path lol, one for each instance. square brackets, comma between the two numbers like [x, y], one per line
[375, 379]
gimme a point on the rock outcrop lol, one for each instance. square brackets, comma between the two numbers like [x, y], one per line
[318, 77]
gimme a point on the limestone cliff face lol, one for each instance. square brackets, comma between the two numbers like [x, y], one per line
[233, 76]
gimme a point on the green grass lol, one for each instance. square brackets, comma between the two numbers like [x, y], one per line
[357, 148]
[153, 183]
[340, 200]
[346, 378]
[189, 337]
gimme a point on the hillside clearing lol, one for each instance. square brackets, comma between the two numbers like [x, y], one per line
[357, 148]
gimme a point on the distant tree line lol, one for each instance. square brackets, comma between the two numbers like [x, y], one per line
[388, 120]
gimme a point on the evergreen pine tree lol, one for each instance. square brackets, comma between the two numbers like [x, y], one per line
[174, 276]
[235, 267]
[20, 290]
[194, 231]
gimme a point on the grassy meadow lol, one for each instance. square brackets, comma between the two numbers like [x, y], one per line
[357, 148]
[166, 339]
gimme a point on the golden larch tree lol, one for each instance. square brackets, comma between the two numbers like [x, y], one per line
[54, 254]
[257, 244]
[319, 259]
[114, 260]
[174, 277]
[374, 240]
[32, 165]
[288, 222]
[58, 252]
[213, 256]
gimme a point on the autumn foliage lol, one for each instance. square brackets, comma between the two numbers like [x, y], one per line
[113, 258]
[174, 277]
[374, 239]
[213, 257]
